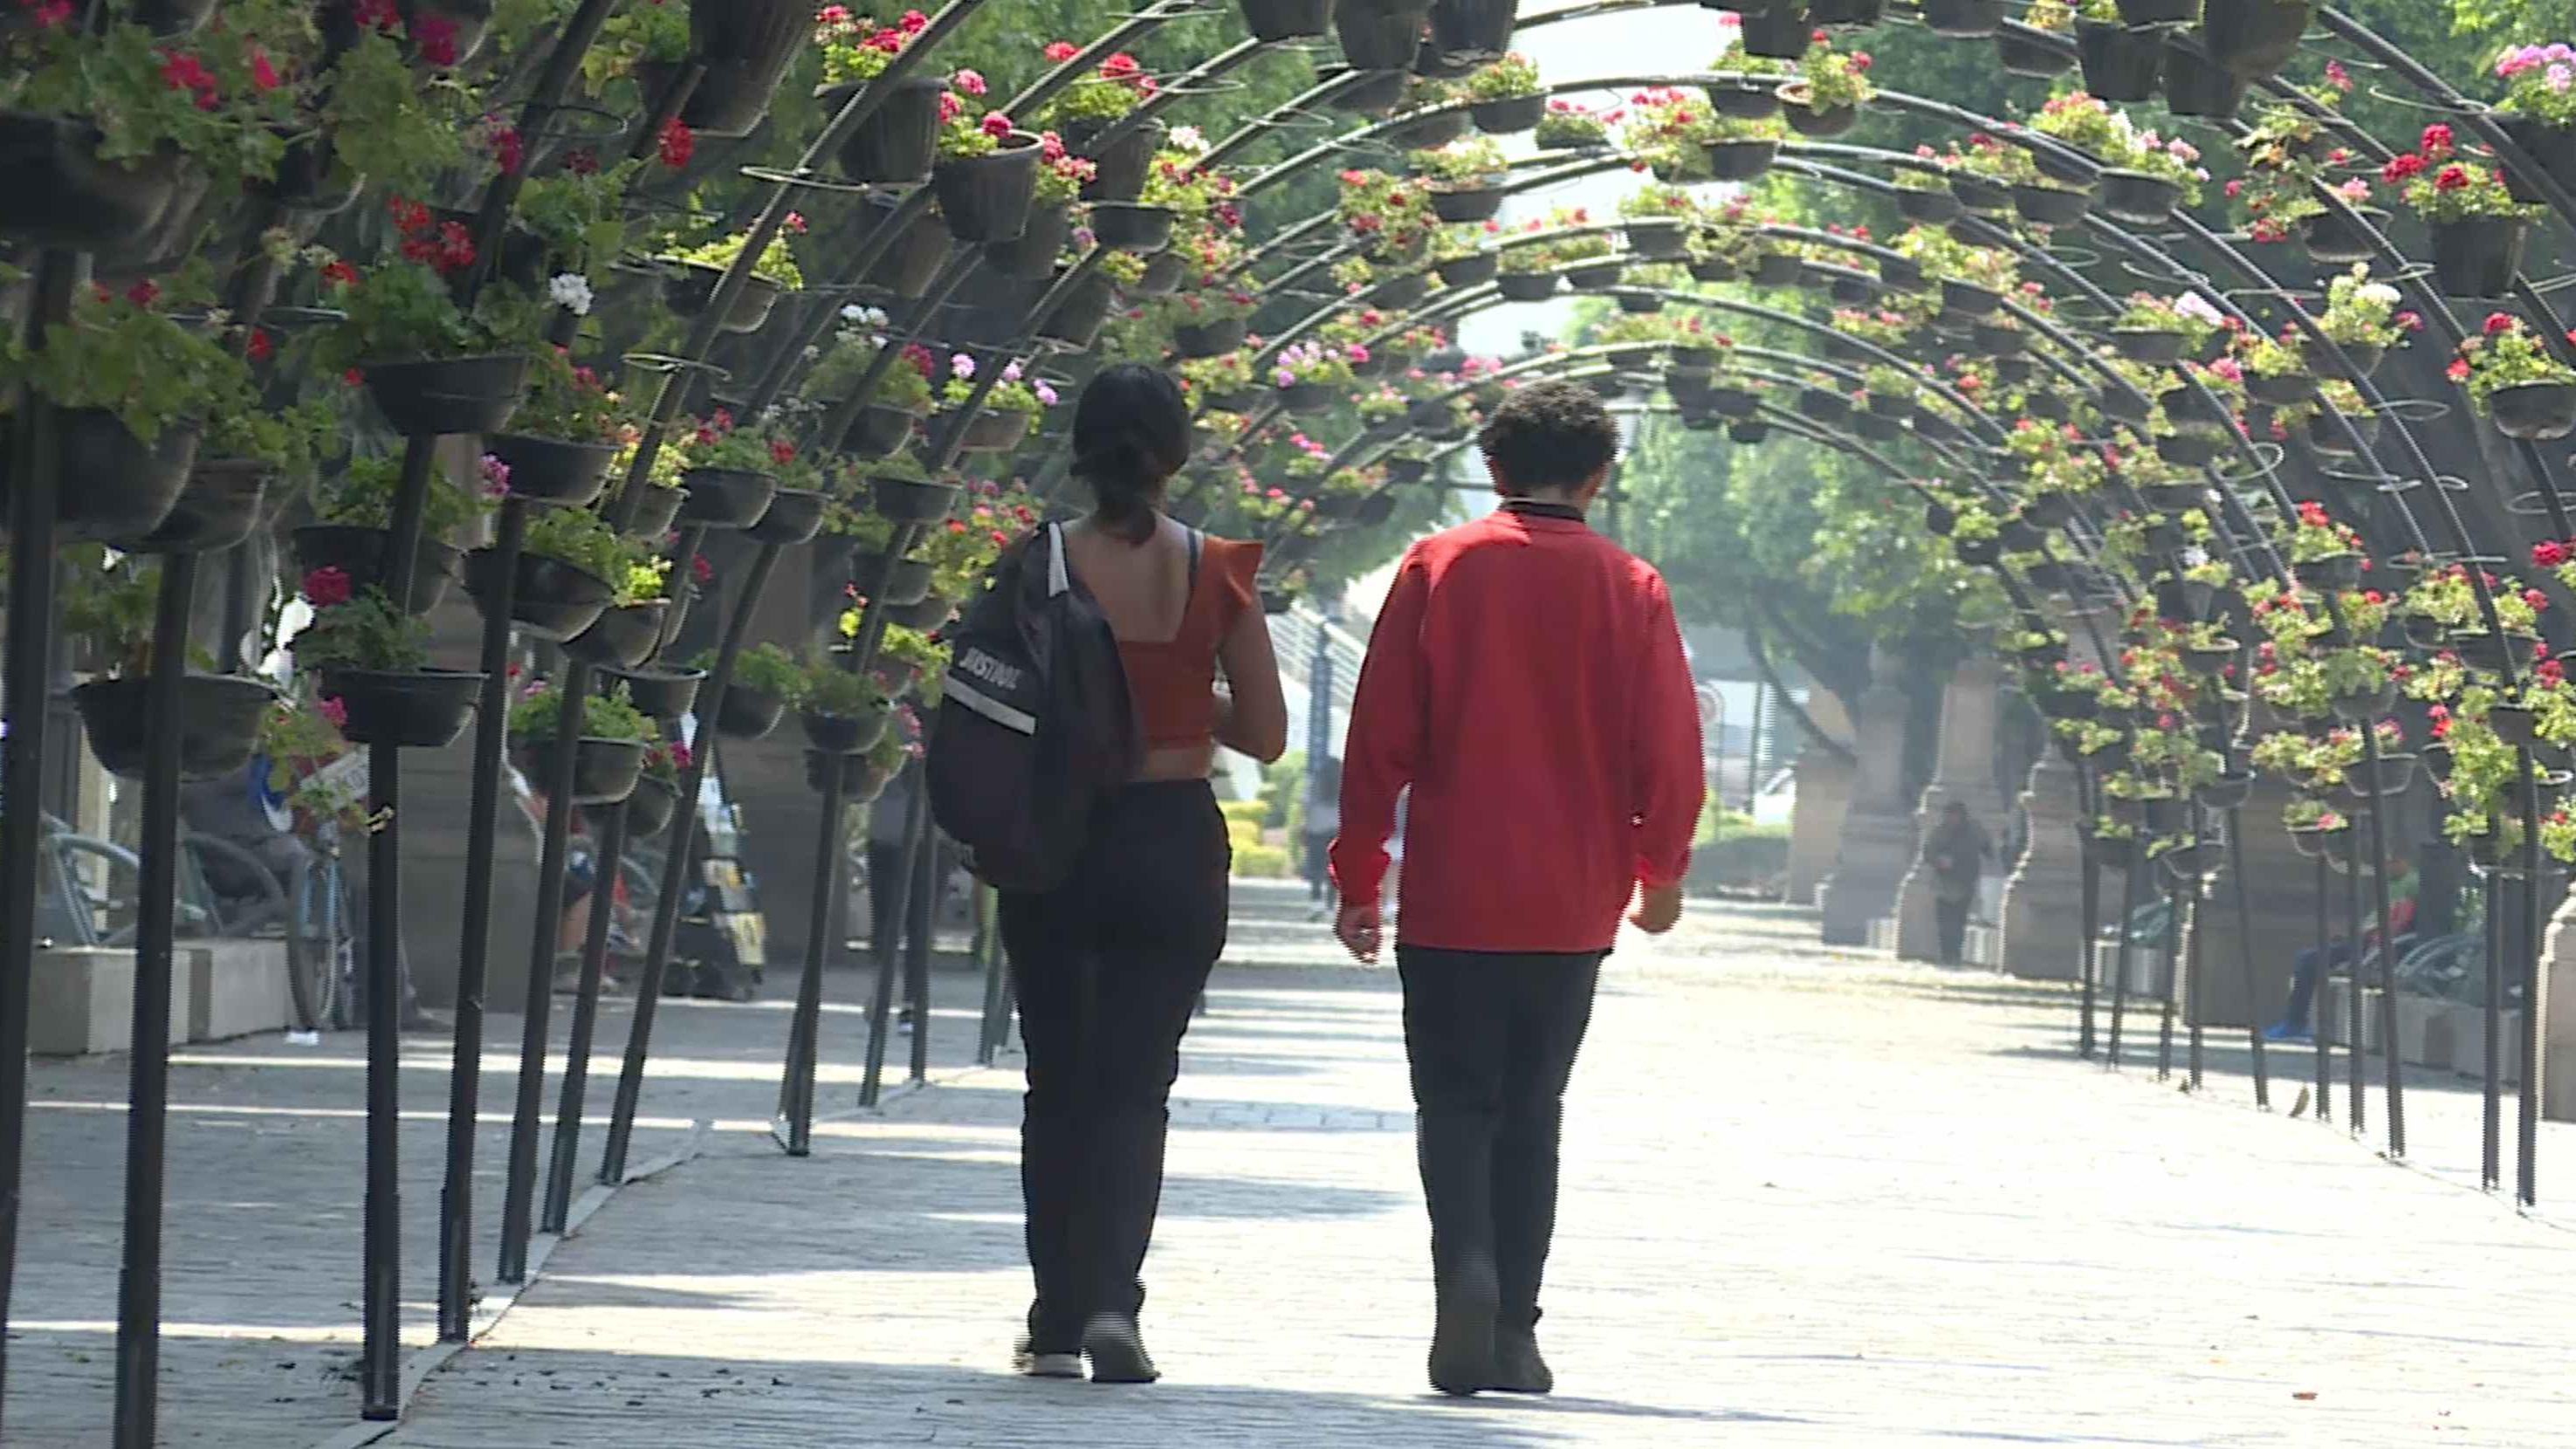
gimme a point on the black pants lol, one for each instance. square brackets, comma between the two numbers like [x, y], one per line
[1952, 918]
[1492, 1039]
[1108, 968]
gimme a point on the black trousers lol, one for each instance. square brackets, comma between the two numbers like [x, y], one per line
[1492, 1039]
[1952, 919]
[1108, 968]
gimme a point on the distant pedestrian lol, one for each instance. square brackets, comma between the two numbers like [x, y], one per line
[1526, 681]
[1323, 822]
[1957, 853]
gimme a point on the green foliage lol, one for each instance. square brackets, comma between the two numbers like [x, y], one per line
[365, 632]
[384, 123]
[585, 540]
[125, 353]
[539, 715]
[197, 96]
[766, 668]
[830, 688]
[362, 496]
[777, 261]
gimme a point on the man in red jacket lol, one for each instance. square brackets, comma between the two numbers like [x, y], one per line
[1526, 681]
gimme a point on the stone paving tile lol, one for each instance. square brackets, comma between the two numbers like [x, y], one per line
[1812, 1199]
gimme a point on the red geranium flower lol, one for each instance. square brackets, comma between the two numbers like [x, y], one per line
[324, 587]
[678, 143]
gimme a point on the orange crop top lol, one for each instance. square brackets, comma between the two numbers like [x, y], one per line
[1173, 682]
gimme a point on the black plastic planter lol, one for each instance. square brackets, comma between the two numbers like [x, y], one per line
[899, 139]
[1367, 92]
[2158, 12]
[1211, 339]
[1400, 293]
[1277, 20]
[1508, 116]
[310, 179]
[2156, 346]
[654, 511]
[54, 191]
[2137, 197]
[1832, 409]
[2196, 85]
[986, 198]
[549, 598]
[444, 397]
[725, 497]
[1777, 33]
[359, 553]
[218, 507]
[2337, 240]
[2553, 147]
[747, 713]
[909, 583]
[1378, 37]
[1128, 227]
[1744, 102]
[2193, 447]
[1472, 32]
[1969, 298]
[114, 486]
[907, 267]
[660, 694]
[604, 771]
[2334, 571]
[1977, 194]
[2479, 255]
[1526, 286]
[911, 500]
[2026, 52]
[729, 100]
[992, 431]
[1031, 256]
[690, 286]
[1120, 155]
[2536, 411]
[843, 734]
[422, 710]
[2365, 357]
[2254, 38]
[552, 470]
[1741, 160]
[1821, 123]
[2045, 205]
[2119, 64]
[2481, 649]
[2280, 389]
[219, 717]
[1927, 207]
[1978, 552]
[876, 431]
[1468, 203]
[1962, 19]
[649, 810]
[1429, 131]
[1747, 430]
[924, 614]
[793, 517]
[624, 637]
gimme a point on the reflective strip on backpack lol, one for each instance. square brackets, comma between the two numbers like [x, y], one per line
[989, 707]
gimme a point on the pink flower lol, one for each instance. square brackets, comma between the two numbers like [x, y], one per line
[996, 125]
[330, 708]
[325, 587]
[971, 82]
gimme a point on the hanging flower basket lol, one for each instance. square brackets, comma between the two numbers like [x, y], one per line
[2254, 38]
[553, 470]
[2364, 357]
[986, 198]
[1508, 116]
[1744, 101]
[408, 710]
[659, 694]
[218, 507]
[749, 714]
[1962, 19]
[604, 771]
[2477, 256]
[2155, 346]
[654, 512]
[1127, 227]
[992, 430]
[2333, 571]
[624, 636]
[2158, 12]
[2336, 239]
[2136, 197]
[2193, 447]
[729, 100]
[689, 286]
[2024, 51]
[1400, 293]
[2119, 64]
[725, 498]
[899, 140]
[1271, 21]
[876, 431]
[2552, 146]
[359, 553]
[2533, 411]
[1121, 152]
[843, 734]
[923, 615]
[1818, 405]
[907, 268]
[1526, 286]
[2196, 85]
[2280, 389]
[2360, 705]
[2327, 436]
[1467, 203]
[1379, 37]
[793, 517]
[1778, 32]
[907, 583]
[1741, 159]
[1858, 14]
[1807, 119]
[911, 500]
[549, 598]
[1031, 256]
[1212, 339]
[2046, 205]
[310, 179]
[112, 485]
[1979, 195]
[447, 396]
[55, 192]
[219, 716]
[1594, 276]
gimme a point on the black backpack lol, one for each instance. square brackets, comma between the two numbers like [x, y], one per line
[1035, 727]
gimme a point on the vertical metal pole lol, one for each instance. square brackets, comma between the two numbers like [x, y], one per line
[33, 485]
[1753, 747]
[804, 1029]
[675, 868]
[2120, 977]
[465, 1063]
[2089, 882]
[380, 1355]
[585, 1019]
[881, 1002]
[2358, 1106]
[2491, 1121]
[2196, 981]
[2317, 995]
[2168, 985]
[2535, 991]
[917, 941]
[2391, 1051]
[2245, 956]
[147, 1119]
[988, 936]
[519, 1188]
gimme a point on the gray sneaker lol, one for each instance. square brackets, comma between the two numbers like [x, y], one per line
[1117, 1350]
[1025, 1359]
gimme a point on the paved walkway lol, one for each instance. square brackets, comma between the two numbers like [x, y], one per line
[1812, 1199]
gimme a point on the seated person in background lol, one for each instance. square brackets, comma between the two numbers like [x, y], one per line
[242, 811]
[2312, 966]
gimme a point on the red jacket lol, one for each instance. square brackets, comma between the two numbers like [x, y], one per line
[1526, 679]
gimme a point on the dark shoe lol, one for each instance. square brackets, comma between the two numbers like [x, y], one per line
[1062, 1364]
[1117, 1350]
[1462, 1337]
[1518, 1369]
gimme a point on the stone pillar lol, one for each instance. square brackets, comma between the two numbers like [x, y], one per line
[1878, 829]
[2557, 1065]
[2247, 982]
[2043, 914]
[1965, 774]
[1824, 793]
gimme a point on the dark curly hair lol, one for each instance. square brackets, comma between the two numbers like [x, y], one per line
[1131, 431]
[1548, 435]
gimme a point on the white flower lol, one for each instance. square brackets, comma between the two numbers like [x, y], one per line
[570, 291]
[2380, 294]
[1011, 373]
[961, 365]
[2193, 556]
[1189, 138]
[2192, 304]
[863, 316]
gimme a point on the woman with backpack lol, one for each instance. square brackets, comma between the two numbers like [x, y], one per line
[1110, 963]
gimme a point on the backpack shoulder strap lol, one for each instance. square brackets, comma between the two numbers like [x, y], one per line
[1198, 545]
[1059, 577]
